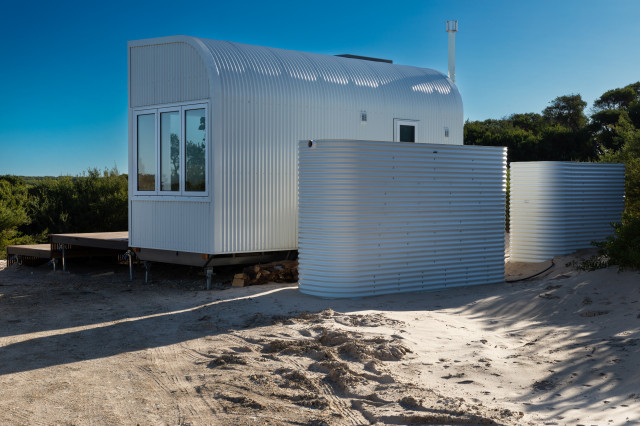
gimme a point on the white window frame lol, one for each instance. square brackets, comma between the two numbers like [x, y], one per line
[182, 194]
[159, 153]
[135, 144]
[397, 122]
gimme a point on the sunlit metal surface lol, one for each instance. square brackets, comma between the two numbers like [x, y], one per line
[262, 101]
[559, 207]
[381, 217]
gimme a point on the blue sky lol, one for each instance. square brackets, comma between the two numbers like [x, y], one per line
[63, 74]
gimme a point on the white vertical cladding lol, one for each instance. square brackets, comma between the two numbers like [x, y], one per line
[382, 217]
[170, 71]
[269, 99]
[262, 102]
[166, 73]
[559, 207]
[171, 225]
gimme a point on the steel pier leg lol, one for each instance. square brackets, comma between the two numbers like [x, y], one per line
[130, 258]
[210, 274]
[64, 259]
[147, 271]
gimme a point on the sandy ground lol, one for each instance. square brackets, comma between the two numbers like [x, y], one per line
[92, 348]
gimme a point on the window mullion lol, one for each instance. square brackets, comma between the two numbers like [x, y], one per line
[183, 152]
[158, 165]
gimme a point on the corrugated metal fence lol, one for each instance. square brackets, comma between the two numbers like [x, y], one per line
[559, 207]
[383, 217]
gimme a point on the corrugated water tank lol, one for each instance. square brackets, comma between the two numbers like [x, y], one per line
[385, 217]
[559, 207]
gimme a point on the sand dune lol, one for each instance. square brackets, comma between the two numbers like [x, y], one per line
[92, 348]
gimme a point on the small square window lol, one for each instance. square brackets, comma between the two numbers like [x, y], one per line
[407, 133]
[405, 130]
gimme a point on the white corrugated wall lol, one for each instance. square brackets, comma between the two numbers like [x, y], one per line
[262, 102]
[269, 99]
[559, 207]
[159, 74]
[166, 73]
[382, 217]
[171, 225]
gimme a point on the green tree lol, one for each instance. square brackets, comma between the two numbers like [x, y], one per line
[93, 202]
[634, 113]
[531, 137]
[529, 121]
[13, 199]
[567, 111]
[616, 99]
[623, 248]
[606, 127]
[613, 113]
[629, 154]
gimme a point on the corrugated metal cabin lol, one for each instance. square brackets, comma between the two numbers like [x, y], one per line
[214, 128]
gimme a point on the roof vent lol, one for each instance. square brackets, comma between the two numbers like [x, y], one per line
[366, 58]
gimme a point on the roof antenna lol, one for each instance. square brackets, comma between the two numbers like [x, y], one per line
[452, 28]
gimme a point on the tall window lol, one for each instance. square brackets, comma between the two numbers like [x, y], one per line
[146, 152]
[195, 136]
[171, 150]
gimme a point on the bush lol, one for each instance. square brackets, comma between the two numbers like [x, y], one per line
[630, 156]
[93, 202]
[623, 247]
[31, 210]
[13, 199]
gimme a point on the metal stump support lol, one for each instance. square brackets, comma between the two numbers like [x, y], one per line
[147, 271]
[210, 274]
[129, 255]
[64, 258]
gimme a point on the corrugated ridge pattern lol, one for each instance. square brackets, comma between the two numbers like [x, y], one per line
[559, 207]
[166, 73]
[171, 225]
[272, 98]
[380, 217]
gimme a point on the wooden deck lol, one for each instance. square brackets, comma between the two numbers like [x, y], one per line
[105, 240]
[31, 254]
[64, 246]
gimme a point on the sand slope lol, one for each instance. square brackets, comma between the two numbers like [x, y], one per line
[91, 348]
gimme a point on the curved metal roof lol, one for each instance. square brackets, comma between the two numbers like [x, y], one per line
[238, 69]
[318, 77]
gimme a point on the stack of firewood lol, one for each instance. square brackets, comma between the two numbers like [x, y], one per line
[284, 271]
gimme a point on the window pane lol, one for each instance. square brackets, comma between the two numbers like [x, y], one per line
[407, 133]
[170, 151]
[195, 149]
[147, 152]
